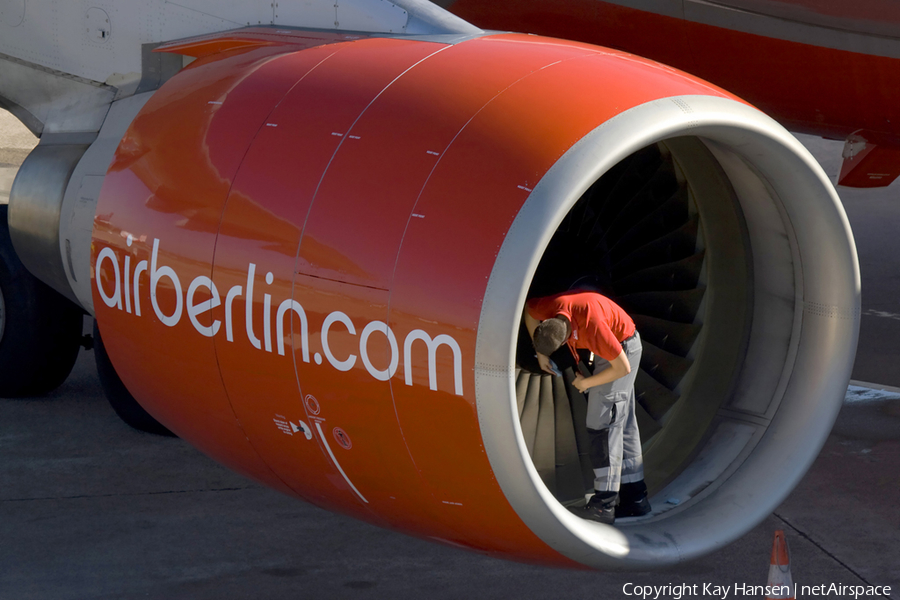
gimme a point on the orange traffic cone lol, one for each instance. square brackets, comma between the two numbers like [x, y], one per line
[780, 586]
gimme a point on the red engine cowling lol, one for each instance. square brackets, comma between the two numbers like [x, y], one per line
[311, 252]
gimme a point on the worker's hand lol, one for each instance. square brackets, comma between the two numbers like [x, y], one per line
[544, 361]
[580, 383]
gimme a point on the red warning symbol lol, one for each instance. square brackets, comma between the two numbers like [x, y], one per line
[342, 438]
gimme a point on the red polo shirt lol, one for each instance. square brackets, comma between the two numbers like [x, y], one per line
[598, 323]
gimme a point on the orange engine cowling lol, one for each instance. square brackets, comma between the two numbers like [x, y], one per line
[311, 253]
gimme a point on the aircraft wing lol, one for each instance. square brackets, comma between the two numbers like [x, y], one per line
[818, 67]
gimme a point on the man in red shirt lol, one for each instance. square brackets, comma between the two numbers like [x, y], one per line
[591, 321]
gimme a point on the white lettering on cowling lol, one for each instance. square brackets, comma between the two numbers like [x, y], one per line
[248, 307]
[286, 306]
[267, 315]
[116, 298]
[198, 309]
[337, 316]
[155, 275]
[141, 267]
[229, 299]
[125, 273]
[364, 352]
[433, 344]
[186, 303]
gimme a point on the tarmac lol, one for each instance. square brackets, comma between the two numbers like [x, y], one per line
[91, 509]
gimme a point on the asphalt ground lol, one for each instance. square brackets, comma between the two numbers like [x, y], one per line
[91, 509]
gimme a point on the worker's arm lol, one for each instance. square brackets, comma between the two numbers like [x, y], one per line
[531, 324]
[618, 367]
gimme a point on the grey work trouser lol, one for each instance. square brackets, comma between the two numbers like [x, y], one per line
[612, 426]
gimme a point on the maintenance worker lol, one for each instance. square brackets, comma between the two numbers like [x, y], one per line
[591, 321]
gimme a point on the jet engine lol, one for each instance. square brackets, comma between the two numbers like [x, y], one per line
[311, 254]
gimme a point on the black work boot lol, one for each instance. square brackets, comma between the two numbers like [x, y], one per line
[601, 508]
[633, 500]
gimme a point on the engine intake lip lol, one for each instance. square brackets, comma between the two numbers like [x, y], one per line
[784, 194]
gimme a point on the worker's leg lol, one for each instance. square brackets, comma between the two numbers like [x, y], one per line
[604, 425]
[616, 444]
[605, 451]
[601, 401]
[632, 488]
[606, 416]
[632, 491]
[606, 448]
[632, 459]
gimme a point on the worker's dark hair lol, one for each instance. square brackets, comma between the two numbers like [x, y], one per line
[551, 334]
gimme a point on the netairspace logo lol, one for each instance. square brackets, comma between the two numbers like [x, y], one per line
[682, 590]
[126, 290]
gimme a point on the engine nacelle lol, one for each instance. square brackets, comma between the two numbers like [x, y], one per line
[311, 254]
